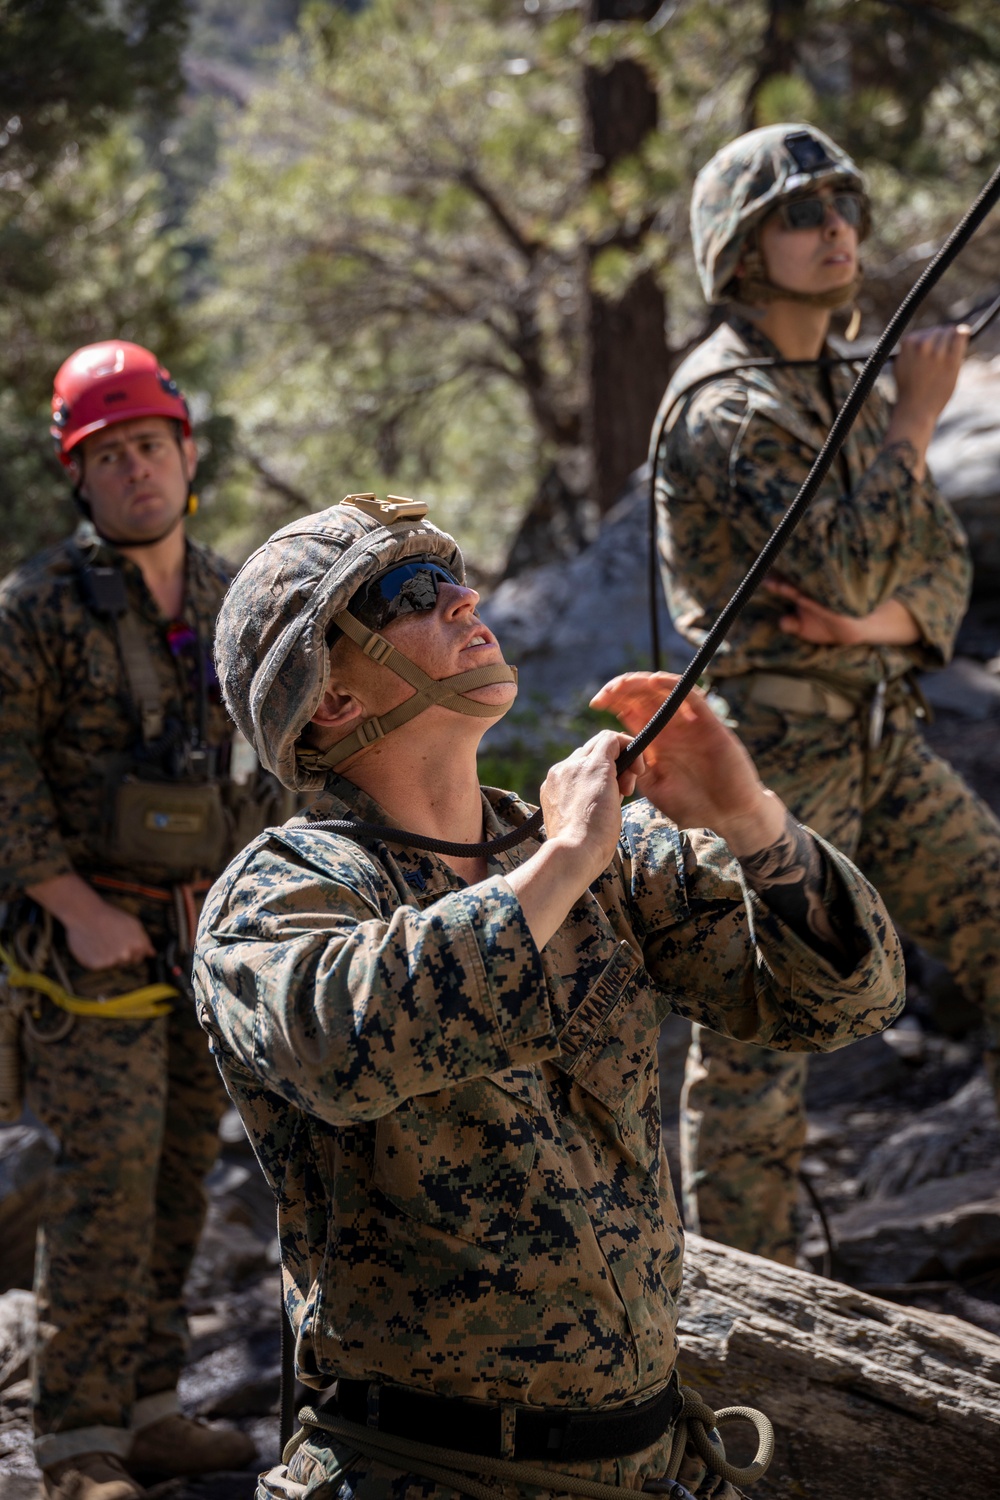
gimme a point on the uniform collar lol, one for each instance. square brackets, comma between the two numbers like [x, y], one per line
[426, 875]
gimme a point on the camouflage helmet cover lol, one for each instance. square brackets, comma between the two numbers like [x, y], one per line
[744, 181]
[271, 638]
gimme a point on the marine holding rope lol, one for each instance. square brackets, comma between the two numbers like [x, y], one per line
[447, 1064]
[117, 799]
[818, 670]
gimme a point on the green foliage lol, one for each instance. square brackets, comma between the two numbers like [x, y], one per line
[532, 741]
[397, 294]
[68, 68]
[372, 249]
[83, 252]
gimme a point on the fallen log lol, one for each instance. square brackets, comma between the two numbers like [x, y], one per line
[867, 1398]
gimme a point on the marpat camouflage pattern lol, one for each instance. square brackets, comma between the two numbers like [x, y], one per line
[134, 1105]
[463, 1132]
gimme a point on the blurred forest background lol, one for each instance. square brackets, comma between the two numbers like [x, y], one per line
[434, 247]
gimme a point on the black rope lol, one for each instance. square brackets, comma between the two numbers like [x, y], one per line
[381, 833]
[812, 1192]
[859, 393]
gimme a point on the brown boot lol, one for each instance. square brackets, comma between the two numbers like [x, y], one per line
[90, 1476]
[176, 1445]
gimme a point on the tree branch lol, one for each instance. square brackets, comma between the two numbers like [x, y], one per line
[281, 487]
[470, 178]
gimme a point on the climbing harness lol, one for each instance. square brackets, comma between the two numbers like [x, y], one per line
[843, 422]
[455, 1468]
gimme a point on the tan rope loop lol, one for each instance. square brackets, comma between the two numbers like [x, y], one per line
[451, 1467]
[700, 1421]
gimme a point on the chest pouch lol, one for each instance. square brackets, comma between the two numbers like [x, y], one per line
[181, 827]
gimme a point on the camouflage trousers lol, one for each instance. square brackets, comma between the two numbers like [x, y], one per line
[135, 1107]
[932, 849]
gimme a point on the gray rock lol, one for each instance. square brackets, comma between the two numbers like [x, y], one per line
[963, 687]
[232, 1251]
[864, 1070]
[27, 1151]
[959, 1136]
[943, 1229]
[964, 458]
[17, 1335]
[867, 1399]
[571, 626]
[233, 1136]
[240, 1379]
[19, 1477]
[21, 1486]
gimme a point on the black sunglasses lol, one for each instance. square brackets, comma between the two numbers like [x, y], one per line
[407, 589]
[810, 213]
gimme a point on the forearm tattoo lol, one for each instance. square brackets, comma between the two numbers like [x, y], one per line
[795, 879]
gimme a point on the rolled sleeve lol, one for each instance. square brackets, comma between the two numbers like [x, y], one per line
[733, 965]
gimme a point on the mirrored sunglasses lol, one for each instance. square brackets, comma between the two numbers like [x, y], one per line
[810, 213]
[408, 589]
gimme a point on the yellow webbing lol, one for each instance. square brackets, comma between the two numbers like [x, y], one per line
[135, 1005]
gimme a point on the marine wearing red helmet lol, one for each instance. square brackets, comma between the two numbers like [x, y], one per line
[111, 382]
[107, 692]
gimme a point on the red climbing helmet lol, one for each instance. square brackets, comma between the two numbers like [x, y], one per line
[112, 382]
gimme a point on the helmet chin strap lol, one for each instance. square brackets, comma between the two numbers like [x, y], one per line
[448, 693]
[148, 541]
[756, 289]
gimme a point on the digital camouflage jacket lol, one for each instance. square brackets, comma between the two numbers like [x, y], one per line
[735, 453]
[462, 1132]
[68, 725]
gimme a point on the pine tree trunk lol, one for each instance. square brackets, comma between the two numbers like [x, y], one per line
[627, 342]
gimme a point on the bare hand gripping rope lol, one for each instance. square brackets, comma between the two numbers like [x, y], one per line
[860, 391]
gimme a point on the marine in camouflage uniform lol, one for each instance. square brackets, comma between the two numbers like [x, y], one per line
[134, 1104]
[736, 447]
[459, 1113]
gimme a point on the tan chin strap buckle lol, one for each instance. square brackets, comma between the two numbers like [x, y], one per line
[392, 508]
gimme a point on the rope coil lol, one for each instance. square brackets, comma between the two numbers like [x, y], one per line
[451, 1467]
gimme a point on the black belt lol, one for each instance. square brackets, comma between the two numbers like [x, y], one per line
[571, 1435]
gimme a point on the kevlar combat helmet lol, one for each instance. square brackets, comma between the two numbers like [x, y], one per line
[741, 185]
[291, 598]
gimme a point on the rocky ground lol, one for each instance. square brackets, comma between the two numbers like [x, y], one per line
[904, 1148]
